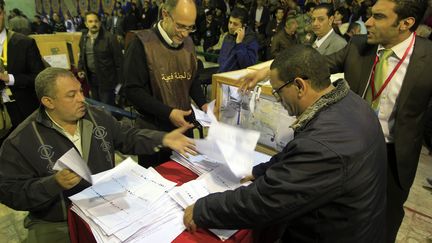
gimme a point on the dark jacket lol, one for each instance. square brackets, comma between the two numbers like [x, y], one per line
[108, 59]
[356, 61]
[26, 177]
[282, 41]
[235, 56]
[327, 185]
[265, 18]
[24, 62]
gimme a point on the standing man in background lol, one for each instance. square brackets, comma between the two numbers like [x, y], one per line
[327, 41]
[161, 73]
[100, 60]
[20, 62]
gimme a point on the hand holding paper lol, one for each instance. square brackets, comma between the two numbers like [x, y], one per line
[67, 179]
[72, 160]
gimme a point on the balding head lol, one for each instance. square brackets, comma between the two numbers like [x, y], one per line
[179, 19]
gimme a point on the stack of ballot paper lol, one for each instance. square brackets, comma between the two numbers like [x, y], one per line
[129, 204]
[231, 146]
[218, 180]
[198, 164]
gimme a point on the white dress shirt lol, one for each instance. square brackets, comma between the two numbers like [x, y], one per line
[318, 42]
[389, 97]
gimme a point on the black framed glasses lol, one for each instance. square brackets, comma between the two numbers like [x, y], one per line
[182, 28]
[275, 92]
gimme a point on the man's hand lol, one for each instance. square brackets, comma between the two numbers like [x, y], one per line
[177, 117]
[175, 140]
[204, 107]
[240, 35]
[5, 77]
[67, 179]
[81, 74]
[247, 178]
[188, 219]
[249, 81]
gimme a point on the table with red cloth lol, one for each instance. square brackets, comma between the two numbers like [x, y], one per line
[80, 231]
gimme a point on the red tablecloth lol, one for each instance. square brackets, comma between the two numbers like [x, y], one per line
[81, 233]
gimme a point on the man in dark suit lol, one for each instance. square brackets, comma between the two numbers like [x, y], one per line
[401, 104]
[20, 63]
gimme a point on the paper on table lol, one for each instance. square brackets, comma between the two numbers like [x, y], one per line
[236, 145]
[72, 160]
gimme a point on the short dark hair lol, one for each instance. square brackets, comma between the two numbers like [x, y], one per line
[239, 13]
[45, 82]
[2, 4]
[91, 13]
[327, 6]
[346, 13]
[307, 7]
[411, 8]
[302, 61]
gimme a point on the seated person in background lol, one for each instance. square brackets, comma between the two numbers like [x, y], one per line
[27, 180]
[329, 182]
[240, 47]
[327, 41]
[353, 29]
[285, 38]
[304, 30]
[209, 30]
[275, 24]
[341, 20]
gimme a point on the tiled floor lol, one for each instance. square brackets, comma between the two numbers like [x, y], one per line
[416, 227]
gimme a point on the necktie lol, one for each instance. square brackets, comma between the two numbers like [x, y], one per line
[379, 77]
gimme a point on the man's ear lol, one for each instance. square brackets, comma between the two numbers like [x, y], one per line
[331, 20]
[300, 85]
[47, 102]
[407, 23]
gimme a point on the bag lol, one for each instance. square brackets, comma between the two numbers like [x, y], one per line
[5, 121]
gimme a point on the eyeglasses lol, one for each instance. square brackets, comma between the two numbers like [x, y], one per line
[275, 92]
[182, 28]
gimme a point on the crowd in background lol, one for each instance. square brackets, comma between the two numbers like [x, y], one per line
[266, 19]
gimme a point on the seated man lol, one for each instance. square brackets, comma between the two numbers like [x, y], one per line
[240, 47]
[328, 184]
[27, 180]
[239, 50]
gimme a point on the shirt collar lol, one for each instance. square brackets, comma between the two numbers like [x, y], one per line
[320, 41]
[3, 36]
[92, 36]
[398, 49]
[165, 35]
[77, 132]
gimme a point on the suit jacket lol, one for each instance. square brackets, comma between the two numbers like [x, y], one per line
[265, 18]
[108, 59]
[24, 62]
[332, 44]
[356, 60]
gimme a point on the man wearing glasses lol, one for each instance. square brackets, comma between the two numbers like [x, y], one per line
[160, 72]
[328, 183]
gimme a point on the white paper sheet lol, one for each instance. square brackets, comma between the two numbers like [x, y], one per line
[72, 160]
[230, 145]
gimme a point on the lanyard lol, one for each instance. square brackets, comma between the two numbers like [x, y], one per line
[387, 81]
[4, 53]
